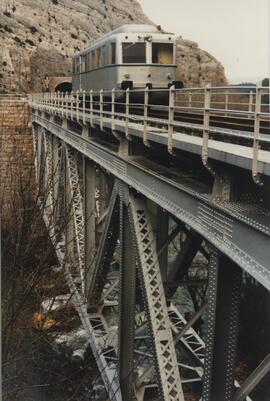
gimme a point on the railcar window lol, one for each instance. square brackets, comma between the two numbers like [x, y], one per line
[98, 58]
[77, 65]
[88, 62]
[162, 53]
[113, 54]
[103, 56]
[93, 59]
[134, 53]
[83, 61]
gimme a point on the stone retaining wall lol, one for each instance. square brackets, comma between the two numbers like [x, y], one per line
[16, 152]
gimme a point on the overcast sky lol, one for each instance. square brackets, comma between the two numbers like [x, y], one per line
[235, 31]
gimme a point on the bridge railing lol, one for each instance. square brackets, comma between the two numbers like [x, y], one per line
[235, 114]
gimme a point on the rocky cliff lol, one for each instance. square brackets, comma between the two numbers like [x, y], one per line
[39, 37]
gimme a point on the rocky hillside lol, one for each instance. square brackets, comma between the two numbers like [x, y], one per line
[39, 37]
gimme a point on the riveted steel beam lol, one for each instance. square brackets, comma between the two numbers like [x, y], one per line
[94, 323]
[253, 380]
[89, 178]
[240, 233]
[77, 211]
[183, 260]
[162, 227]
[97, 273]
[48, 172]
[222, 328]
[127, 307]
[170, 386]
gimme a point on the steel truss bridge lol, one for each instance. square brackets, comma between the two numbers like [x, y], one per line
[134, 194]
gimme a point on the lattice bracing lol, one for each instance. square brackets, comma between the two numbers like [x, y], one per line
[163, 345]
[77, 209]
[98, 273]
[48, 179]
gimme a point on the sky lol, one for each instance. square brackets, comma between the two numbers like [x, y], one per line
[236, 32]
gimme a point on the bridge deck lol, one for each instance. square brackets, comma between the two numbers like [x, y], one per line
[234, 154]
[239, 230]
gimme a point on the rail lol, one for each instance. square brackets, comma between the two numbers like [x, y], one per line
[230, 114]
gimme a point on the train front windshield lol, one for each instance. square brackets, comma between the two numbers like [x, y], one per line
[134, 53]
[162, 53]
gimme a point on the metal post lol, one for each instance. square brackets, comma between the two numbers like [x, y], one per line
[62, 104]
[127, 113]
[71, 104]
[226, 101]
[145, 118]
[250, 103]
[59, 102]
[77, 105]
[189, 99]
[222, 328]
[101, 109]
[91, 107]
[66, 103]
[171, 118]
[256, 138]
[83, 104]
[206, 122]
[113, 111]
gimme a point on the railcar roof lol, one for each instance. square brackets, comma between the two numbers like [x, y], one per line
[127, 28]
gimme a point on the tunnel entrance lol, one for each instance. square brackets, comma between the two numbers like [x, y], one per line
[64, 87]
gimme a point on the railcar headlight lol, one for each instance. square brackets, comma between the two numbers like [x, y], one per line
[169, 76]
[127, 76]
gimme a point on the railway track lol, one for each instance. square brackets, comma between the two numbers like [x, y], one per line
[233, 123]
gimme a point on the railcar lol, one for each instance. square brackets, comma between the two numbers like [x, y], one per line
[133, 56]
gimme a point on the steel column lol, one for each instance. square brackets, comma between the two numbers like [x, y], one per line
[183, 260]
[222, 328]
[127, 308]
[169, 381]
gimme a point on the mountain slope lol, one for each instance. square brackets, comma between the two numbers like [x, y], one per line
[39, 37]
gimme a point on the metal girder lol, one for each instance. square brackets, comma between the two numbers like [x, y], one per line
[56, 172]
[170, 386]
[36, 137]
[89, 178]
[48, 172]
[222, 328]
[127, 307]
[40, 160]
[94, 324]
[162, 228]
[77, 209]
[243, 238]
[183, 260]
[97, 274]
[251, 382]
